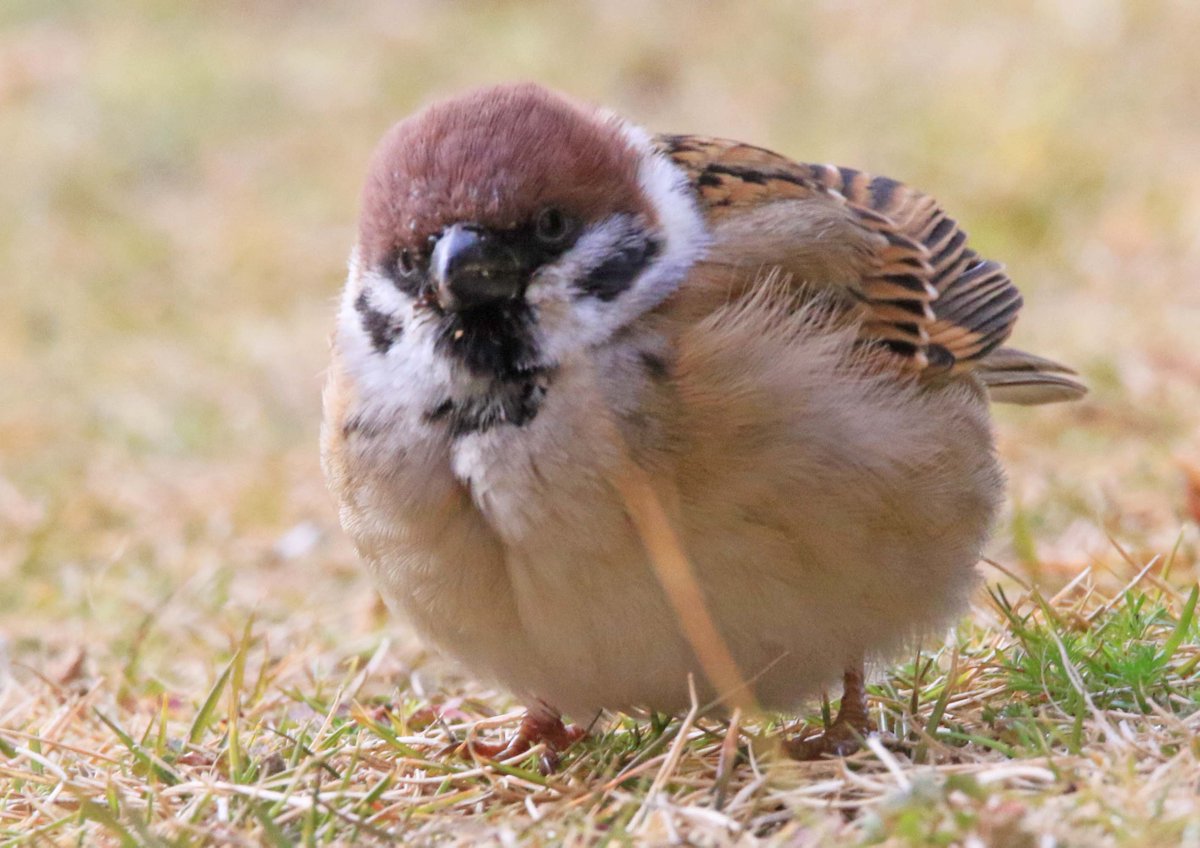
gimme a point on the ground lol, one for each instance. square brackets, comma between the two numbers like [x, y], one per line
[189, 651]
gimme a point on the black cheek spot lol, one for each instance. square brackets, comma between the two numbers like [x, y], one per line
[382, 329]
[617, 273]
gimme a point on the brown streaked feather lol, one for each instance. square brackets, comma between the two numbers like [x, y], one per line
[927, 296]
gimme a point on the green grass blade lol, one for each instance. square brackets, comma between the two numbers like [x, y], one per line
[204, 718]
[1181, 628]
[163, 771]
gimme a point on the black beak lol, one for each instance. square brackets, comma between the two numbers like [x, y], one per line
[471, 267]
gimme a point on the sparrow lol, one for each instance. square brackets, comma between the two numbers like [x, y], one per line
[569, 351]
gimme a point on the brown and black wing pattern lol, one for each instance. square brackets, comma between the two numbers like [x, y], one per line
[929, 298]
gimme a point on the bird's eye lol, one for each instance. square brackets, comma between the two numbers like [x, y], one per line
[406, 262]
[553, 226]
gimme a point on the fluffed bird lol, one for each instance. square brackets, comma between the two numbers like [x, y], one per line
[794, 361]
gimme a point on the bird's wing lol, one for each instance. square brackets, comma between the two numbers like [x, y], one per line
[928, 298]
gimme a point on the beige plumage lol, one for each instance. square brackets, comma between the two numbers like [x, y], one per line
[796, 357]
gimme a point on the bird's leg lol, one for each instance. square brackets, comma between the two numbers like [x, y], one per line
[541, 723]
[843, 736]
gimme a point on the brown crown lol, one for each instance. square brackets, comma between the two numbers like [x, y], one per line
[495, 157]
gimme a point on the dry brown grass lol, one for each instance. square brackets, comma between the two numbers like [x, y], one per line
[190, 653]
[321, 748]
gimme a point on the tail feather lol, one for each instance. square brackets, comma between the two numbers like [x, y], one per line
[1014, 376]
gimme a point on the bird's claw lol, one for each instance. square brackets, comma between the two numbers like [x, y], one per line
[841, 739]
[536, 727]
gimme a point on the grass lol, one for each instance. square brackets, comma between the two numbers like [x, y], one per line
[189, 650]
[1071, 716]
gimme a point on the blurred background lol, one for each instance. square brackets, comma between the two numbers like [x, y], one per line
[178, 191]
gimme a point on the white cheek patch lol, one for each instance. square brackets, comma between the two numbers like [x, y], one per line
[569, 318]
[407, 379]
[679, 217]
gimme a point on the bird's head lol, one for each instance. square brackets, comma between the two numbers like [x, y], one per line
[508, 229]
